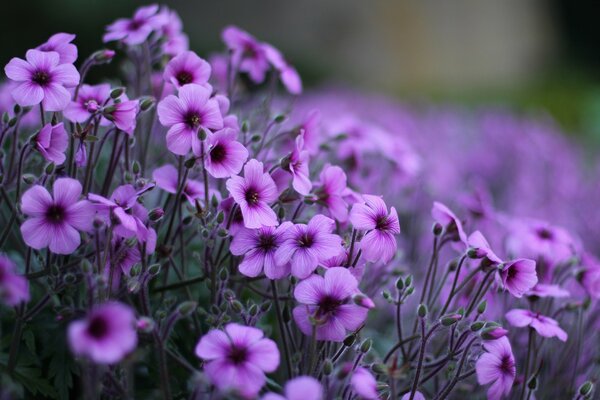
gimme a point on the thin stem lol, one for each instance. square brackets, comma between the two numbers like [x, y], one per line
[280, 322]
[527, 359]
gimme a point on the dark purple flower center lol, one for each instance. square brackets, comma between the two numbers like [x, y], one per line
[184, 77]
[98, 327]
[383, 223]
[507, 366]
[266, 242]
[511, 273]
[252, 196]
[42, 78]
[328, 305]
[193, 120]
[305, 240]
[135, 24]
[218, 153]
[91, 105]
[237, 355]
[55, 213]
[545, 234]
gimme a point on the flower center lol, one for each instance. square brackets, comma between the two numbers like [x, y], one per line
[545, 234]
[135, 24]
[193, 120]
[328, 305]
[382, 223]
[217, 153]
[55, 213]
[266, 242]
[91, 105]
[98, 327]
[41, 78]
[237, 355]
[507, 366]
[184, 78]
[305, 240]
[252, 196]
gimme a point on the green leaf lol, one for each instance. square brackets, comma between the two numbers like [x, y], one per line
[33, 382]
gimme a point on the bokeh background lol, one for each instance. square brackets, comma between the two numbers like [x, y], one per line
[527, 54]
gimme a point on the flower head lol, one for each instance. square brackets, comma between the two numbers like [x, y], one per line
[544, 326]
[123, 113]
[518, 276]
[331, 191]
[167, 178]
[54, 220]
[137, 29]
[175, 41]
[258, 246]
[287, 73]
[299, 388]
[379, 243]
[546, 290]
[14, 288]
[237, 358]
[61, 43]
[327, 301]
[481, 249]
[298, 167]
[187, 68]
[106, 335]
[186, 114]
[496, 366]
[90, 99]
[225, 156]
[253, 193]
[52, 141]
[451, 223]
[248, 54]
[364, 384]
[42, 79]
[307, 245]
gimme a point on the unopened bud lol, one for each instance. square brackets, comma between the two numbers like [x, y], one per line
[450, 319]
[365, 346]
[145, 324]
[236, 306]
[437, 229]
[422, 311]
[481, 307]
[586, 388]
[187, 308]
[156, 214]
[493, 333]
[103, 56]
[116, 93]
[154, 269]
[363, 301]
[349, 340]
[327, 367]
[146, 103]
[476, 326]
[279, 118]
[379, 369]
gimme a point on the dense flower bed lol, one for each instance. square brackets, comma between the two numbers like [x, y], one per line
[196, 227]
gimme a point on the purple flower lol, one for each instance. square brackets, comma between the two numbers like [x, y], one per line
[299, 388]
[54, 220]
[453, 227]
[253, 193]
[546, 290]
[123, 113]
[61, 43]
[363, 383]
[307, 245]
[14, 288]
[137, 29]
[248, 54]
[122, 258]
[176, 41]
[288, 74]
[90, 99]
[379, 243]
[518, 276]
[52, 142]
[258, 246]
[496, 366]
[328, 301]
[185, 115]
[590, 275]
[225, 156]
[237, 358]
[332, 187]
[42, 80]
[106, 335]
[418, 396]
[298, 167]
[544, 326]
[187, 68]
[167, 178]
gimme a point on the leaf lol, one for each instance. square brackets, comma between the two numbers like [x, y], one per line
[33, 382]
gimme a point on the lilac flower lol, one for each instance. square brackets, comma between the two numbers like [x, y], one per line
[237, 358]
[544, 326]
[288, 74]
[307, 245]
[518, 276]
[52, 142]
[298, 167]
[253, 193]
[258, 246]
[42, 80]
[589, 276]
[167, 178]
[14, 289]
[137, 29]
[453, 227]
[90, 99]
[332, 187]
[363, 383]
[482, 250]
[61, 43]
[176, 41]
[106, 335]
[81, 155]
[546, 290]
[248, 54]
[418, 396]
[123, 258]
[496, 366]
[187, 68]
[299, 388]
[123, 113]
[225, 156]
[328, 300]
[379, 243]
[185, 115]
[54, 220]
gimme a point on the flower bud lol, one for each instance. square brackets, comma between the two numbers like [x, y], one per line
[481, 307]
[450, 319]
[532, 384]
[410, 291]
[69, 278]
[255, 138]
[49, 169]
[245, 127]
[187, 308]
[136, 167]
[379, 369]
[223, 274]
[422, 311]
[103, 56]
[387, 296]
[327, 367]
[476, 326]
[115, 94]
[437, 229]
[279, 118]
[349, 340]
[399, 284]
[145, 324]
[154, 269]
[86, 266]
[12, 122]
[475, 253]
[220, 217]
[156, 214]
[202, 134]
[586, 389]
[190, 162]
[365, 346]
[408, 281]
[363, 301]
[253, 310]
[236, 306]
[493, 333]
[146, 103]
[28, 178]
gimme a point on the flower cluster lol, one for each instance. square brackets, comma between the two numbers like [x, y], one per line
[183, 232]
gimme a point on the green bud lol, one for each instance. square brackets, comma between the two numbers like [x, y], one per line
[220, 217]
[422, 311]
[146, 103]
[379, 369]
[279, 118]
[222, 232]
[437, 229]
[187, 308]
[410, 290]
[253, 310]
[349, 340]
[116, 92]
[69, 278]
[236, 306]
[586, 388]
[327, 367]
[28, 178]
[12, 122]
[190, 162]
[255, 138]
[223, 274]
[245, 127]
[136, 167]
[399, 284]
[86, 266]
[532, 384]
[154, 269]
[408, 281]
[202, 134]
[49, 169]
[450, 319]
[476, 326]
[481, 307]
[5, 117]
[365, 346]
[281, 213]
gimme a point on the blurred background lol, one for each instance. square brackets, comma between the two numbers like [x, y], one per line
[527, 54]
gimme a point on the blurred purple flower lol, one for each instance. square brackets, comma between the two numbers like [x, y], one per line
[237, 358]
[327, 301]
[298, 167]
[482, 250]
[61, 43]
[187, 68]
[453, 226]
[137, 29]
[42, 80]
[167, 178]
[331, 190]
[546, 290]
[52, 142]
[106, 335]
[544, 326]
[364, 384]
[299, 388]
[248, 54]
[379, 243]
[14, 289]
[518, 276]
[496, 366]
[54, 221]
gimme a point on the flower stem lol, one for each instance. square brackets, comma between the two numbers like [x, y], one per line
[280, 322]
[528, 357]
